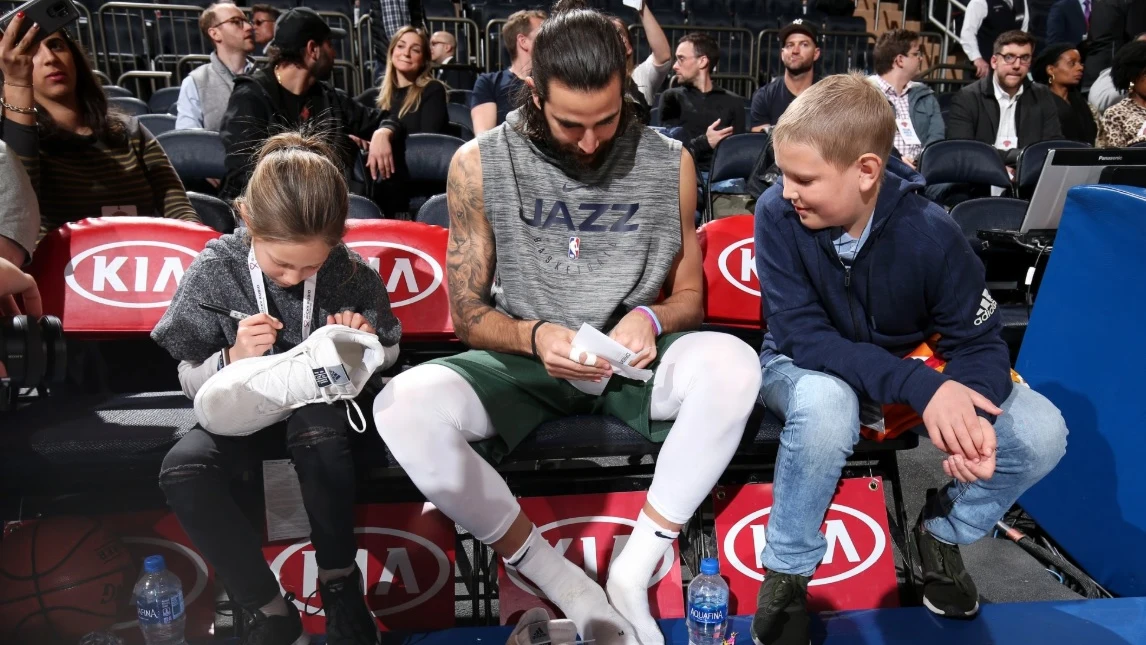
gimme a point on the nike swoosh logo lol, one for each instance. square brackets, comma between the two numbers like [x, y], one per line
[662, 535]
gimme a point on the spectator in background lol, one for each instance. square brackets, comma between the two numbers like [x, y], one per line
[1124, 123]
[1103, 93]
[412, 102]
[290, 92]
[1060, 69]
[985, 21]
[443, 53]
[204, 94]
[1068, 21]
[918, 117]
[19, 210]
[707, 114]
[84, 159]
[1005, 110]
[386, 18]
[263, 17]
[1113, 23]
[646, 78]
[798, 55]
[496, 93]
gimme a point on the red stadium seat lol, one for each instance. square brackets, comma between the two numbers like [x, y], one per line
[411, 258]
[732, 289]
[114, 277]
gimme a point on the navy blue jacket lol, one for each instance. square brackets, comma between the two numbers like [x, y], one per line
[1066, 23]
[915, 276]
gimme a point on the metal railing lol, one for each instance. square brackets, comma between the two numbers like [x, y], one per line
[147, 37]
[737, 46]
[945, 24]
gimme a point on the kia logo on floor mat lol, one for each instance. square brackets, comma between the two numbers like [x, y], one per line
[401, 570]
[855, 543]
[592, 542]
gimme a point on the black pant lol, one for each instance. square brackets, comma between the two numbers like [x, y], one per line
[196, 477]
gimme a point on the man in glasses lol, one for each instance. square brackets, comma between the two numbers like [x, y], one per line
[263, 16]
[1006, 109]
[918, 117]
[204, 94]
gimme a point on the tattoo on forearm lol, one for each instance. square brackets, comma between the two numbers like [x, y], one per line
[470, 255]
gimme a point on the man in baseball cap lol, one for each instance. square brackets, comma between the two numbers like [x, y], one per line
[293, 90]
[798, 54]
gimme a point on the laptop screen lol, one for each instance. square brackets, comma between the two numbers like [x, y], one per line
[1069, 167]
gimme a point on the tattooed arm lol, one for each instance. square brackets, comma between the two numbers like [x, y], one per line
[470, 262]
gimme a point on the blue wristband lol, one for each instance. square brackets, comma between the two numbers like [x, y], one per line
[652, 315]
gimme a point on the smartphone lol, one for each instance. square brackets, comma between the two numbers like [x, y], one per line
[51, 15]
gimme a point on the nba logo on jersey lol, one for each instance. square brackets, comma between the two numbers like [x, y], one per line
[574, 248]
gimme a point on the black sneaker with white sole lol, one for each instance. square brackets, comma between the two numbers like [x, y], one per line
[348, 619]
[948, 589]
[781, 616]
[262, 629]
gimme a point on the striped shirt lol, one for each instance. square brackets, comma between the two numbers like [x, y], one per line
[902, 106]
[79, 178]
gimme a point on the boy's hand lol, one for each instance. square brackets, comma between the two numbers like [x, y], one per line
[351, 320]
[954, 426]
[968, 472]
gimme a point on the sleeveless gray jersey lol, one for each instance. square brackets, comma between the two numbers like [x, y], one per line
[583, 249]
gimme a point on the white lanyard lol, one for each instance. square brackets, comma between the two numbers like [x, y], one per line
[261, 292]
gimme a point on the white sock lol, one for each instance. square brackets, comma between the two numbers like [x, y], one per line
[579, 598]
[630, 573]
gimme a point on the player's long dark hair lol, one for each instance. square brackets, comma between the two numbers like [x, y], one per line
[579, 48]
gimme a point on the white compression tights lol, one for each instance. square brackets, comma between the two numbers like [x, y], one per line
[707, 381]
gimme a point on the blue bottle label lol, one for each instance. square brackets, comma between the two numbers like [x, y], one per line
[161, 611]
[707, 615]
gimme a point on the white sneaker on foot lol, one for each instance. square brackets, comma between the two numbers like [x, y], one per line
[333, 364]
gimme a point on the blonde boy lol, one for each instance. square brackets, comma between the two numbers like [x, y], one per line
[857, 269]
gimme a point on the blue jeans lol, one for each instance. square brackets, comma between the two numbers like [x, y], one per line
[821, 426]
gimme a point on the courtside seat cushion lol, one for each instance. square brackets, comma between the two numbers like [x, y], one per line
[67, 437]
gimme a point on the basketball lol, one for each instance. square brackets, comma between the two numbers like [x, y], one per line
[61, 578]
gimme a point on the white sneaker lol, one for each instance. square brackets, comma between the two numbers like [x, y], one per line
[333, 364]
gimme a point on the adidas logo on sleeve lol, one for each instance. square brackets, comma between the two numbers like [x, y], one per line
[987, 307]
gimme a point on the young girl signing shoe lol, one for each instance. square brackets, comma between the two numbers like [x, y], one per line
[290, 271]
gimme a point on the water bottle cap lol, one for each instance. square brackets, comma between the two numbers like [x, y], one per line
[709, 566]
[154, 564]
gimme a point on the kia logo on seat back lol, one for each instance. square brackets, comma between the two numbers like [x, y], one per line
[855, 543]
[737, 264]
[401, 570]
[591, 547]
[410, 274]
[136, 274]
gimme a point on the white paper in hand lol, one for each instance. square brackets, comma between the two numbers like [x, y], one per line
[590, 340]
[635, 4]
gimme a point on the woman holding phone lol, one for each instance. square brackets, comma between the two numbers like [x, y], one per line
[84, 159]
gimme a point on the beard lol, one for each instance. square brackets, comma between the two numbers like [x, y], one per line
[796, 71]
[568, 157]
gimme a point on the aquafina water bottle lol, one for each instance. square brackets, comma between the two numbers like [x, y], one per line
[159, 602]
[707, 605]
